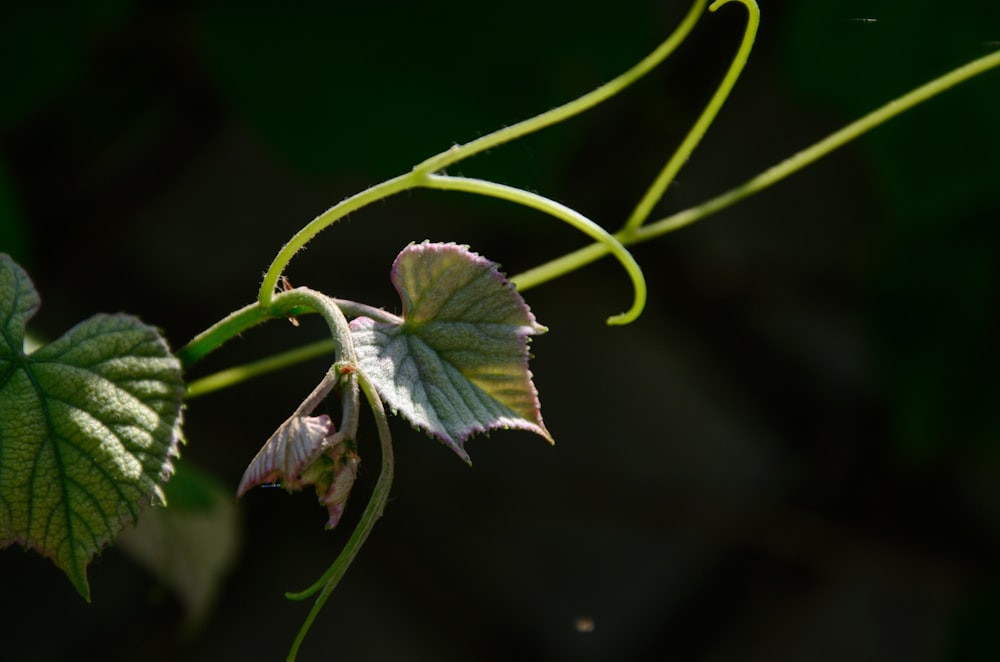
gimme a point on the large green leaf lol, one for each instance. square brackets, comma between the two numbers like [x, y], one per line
[457, 362]
[88, 427]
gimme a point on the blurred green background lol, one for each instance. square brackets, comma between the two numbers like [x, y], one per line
[793, 455]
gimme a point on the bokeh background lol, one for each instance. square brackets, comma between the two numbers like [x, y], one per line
[793, 455]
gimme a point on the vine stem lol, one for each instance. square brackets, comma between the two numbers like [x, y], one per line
[417, 179]
[323, 221]
[343, 342]
[571, 108]
[421, 174]
[225, 329]
[232, 376]
[237, 374]
[373, 511]
[579, 258]
[250, 316]
[254, 314]
[645, 206]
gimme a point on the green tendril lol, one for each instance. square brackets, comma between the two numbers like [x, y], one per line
[564, 213]
[697, 132]
[421, 174]
[572, 108]
[373, 511]
[584, 256]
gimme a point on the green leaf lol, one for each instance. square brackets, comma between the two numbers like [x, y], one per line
[457, 362]
[88, 427]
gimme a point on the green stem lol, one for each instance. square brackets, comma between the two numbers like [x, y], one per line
[323, 221]
[373, 511]
[562, 212]
[577, 259]
[566, 264]
[232, 376]
[417, 177]
[249, 316]
[697, 132]
[306, 300]
[238, 374]
[219, 333]
[568, 110]
[343, 341]
[297, 302]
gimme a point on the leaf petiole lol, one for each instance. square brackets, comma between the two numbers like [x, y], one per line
[373, 511]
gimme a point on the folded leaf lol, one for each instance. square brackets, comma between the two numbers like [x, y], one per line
[456, 364]
[88, 427]
[338, 479]
[305, 450]
[294, 446]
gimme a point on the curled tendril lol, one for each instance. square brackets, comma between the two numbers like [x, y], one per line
[564, 213]
[373, 511]
[423, 175]
[700, 127]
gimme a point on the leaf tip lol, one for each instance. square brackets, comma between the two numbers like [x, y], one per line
[80, 582]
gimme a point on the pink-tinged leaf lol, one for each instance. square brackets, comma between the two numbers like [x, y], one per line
[296, 444]
[304, 451]
[342, 475]
[457, 363]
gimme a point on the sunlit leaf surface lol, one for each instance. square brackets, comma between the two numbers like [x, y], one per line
[457, 362]
[88, 426]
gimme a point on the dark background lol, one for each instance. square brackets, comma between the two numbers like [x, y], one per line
[794, 453]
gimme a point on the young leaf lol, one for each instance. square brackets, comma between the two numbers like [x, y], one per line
[296, 444]
[457, 362]
[88, 427]
[338, 480]
[305, 450]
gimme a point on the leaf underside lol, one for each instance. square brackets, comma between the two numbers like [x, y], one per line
[294, 446]
[88, 427]
[456, 364]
